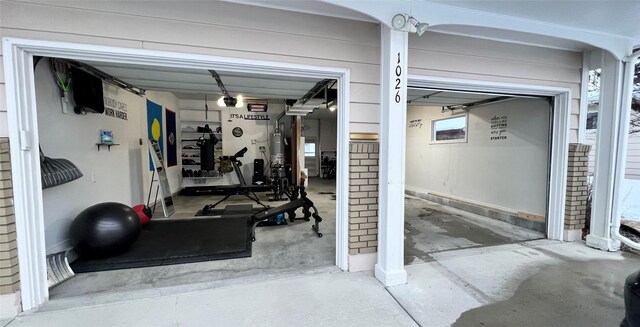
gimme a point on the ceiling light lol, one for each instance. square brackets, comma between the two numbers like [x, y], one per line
[231, 102]
[333, 108]
[240, 102]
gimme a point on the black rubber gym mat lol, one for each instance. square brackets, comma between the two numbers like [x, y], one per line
[218, 212]
[169, 242]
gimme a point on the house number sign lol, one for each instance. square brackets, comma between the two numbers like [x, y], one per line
[398, 80]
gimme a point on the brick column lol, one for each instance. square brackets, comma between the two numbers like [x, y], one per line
[9, 278]
[363, 197]
[576, 198]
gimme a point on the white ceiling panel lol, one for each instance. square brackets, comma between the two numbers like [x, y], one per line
[444, 98]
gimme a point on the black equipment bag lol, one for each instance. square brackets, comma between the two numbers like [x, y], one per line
[57, 171]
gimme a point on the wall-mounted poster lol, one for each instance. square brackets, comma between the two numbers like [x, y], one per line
[172, 149]
[154, 126]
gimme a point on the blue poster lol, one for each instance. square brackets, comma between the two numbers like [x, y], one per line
[154, 127]
[172, 152]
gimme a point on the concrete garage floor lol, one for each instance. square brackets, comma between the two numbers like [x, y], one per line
[432, 228]
[463, 270]
[277, 251]
[535, 283]
[283, 251]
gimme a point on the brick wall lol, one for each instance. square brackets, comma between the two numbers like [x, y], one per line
[363, 197]
[576, 198]
[9, 280]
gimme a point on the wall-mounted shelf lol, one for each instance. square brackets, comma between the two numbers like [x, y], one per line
[108, 145]
[189, 135]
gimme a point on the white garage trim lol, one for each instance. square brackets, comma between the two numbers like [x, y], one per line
[23, 135]
[559, 132]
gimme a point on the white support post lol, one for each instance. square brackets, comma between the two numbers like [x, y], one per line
[608, 161]
[393, 85]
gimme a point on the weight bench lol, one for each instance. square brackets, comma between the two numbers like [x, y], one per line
[297, 201]
[290, 209]
[244, 189]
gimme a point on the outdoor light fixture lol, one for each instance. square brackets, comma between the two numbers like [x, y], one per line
[400, 21]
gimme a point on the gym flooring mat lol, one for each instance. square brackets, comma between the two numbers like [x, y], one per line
[172, 242]
[218, 212]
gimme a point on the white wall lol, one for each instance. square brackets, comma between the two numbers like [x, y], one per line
[174, 174]
[509, 174]
[328, 134]
[108, 175]
[258, 130]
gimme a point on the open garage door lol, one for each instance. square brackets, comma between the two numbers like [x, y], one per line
[477, 170]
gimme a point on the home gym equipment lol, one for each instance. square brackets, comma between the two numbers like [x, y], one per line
[206, 143]
[144, 213]
[274, 216]
[259, 178]
[178, 241]
[57, 171]
[278, 177]
[105, 229]
[243, 188]
[298, 199]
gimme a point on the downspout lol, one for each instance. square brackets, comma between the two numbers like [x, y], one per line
[627, 89]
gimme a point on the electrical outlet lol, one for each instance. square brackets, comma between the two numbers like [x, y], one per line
[262, 148]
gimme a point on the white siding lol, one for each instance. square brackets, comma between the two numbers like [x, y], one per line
[444, 55]
[633, 158]
[633, 155]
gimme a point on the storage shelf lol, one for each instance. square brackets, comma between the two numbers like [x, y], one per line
[108, 145]
[189, 132]
[191, 137]
[199, 122]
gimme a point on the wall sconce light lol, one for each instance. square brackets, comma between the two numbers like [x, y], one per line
[400, 21]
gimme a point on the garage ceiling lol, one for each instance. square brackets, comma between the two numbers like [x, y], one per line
[425, 97]
[195, 83]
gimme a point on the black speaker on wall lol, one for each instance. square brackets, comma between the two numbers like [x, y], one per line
[258, 167]
[87, 92]
[258, 172]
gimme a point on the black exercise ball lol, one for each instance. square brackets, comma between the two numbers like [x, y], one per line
[104, 230]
